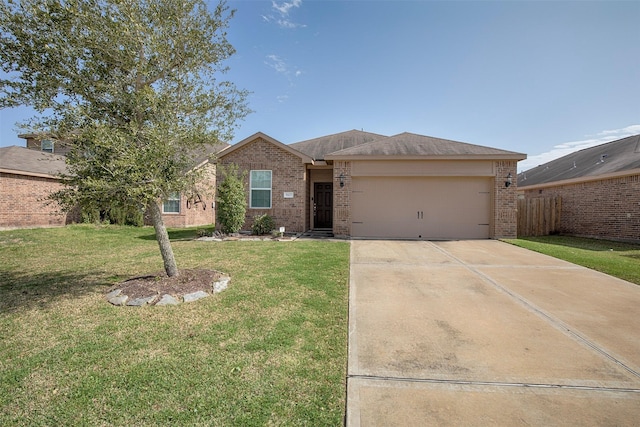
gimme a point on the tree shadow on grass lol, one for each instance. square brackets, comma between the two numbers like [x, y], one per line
[181, 234]
[25, 290]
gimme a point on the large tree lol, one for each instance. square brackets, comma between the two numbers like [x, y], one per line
[133, 86]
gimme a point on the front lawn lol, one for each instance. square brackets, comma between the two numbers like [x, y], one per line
[614, 258]
[270, 350]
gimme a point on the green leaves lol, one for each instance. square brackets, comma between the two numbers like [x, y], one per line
[231, 200]
[147, 67]
[131, 86]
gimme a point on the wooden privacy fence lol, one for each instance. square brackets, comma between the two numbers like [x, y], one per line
[539, 216]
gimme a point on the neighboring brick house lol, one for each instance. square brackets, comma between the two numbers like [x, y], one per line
[599, 188]
[27, 178]
[29, 175]
[197, 207]
[361, 184]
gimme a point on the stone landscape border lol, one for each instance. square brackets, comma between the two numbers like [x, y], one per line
[117, 297]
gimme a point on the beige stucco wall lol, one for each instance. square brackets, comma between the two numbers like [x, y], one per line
[422, 168]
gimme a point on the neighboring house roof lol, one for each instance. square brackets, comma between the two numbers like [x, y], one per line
[613, 158]
[207, 152]
[318, 148]
[409, 145]
[304, 157]
[22, 161]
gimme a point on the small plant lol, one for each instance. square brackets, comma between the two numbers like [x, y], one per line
[201, 232]
[263, 224]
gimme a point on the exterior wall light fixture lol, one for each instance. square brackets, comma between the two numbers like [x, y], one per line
[341, 180]
[509, 180]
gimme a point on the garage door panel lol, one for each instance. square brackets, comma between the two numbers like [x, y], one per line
[419, 207]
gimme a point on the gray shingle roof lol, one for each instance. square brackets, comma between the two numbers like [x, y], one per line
[409, 144]
[612, 157]
[204, 153]
[317, 148]
[23, 160]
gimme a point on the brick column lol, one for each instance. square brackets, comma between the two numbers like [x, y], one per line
[505, 212]
[341, 199]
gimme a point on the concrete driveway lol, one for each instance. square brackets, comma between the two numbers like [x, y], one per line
[485, 333]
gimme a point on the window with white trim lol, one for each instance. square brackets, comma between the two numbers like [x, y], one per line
[171, 204]
[260, 189]
[46, 145]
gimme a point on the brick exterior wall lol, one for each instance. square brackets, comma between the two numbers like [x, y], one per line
[505, 201]
[289, 174]
[341, 199]
[23, 202]
[195, 214]
[604, 209]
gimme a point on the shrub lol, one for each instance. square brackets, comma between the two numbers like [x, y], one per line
[129, 215]
[90, 215]
[231, 202]
[263, 224]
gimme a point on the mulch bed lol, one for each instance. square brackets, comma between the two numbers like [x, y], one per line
[186, 282]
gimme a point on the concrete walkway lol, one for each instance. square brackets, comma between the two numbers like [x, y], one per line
[482, 333]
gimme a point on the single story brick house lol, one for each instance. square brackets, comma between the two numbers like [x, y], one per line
[28, 175]
[599, 188]
[361, 184]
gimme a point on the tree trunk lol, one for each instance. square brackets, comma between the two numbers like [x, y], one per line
[162, 237]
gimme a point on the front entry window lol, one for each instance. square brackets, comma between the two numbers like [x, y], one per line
[260, 194]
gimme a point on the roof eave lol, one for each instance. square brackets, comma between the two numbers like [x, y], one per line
[514, 156]
[27, 173]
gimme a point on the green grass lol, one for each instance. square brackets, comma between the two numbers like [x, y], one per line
[270, 350]
[614, 258]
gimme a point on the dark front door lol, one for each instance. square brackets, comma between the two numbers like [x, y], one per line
[323, 205]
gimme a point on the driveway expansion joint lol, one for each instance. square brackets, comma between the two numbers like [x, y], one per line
[492, 383]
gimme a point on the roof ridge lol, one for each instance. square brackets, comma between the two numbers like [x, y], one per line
[335, 134]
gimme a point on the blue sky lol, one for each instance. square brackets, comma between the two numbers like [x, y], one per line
[540, 77]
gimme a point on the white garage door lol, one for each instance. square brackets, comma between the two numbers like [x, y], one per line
[421, 207]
